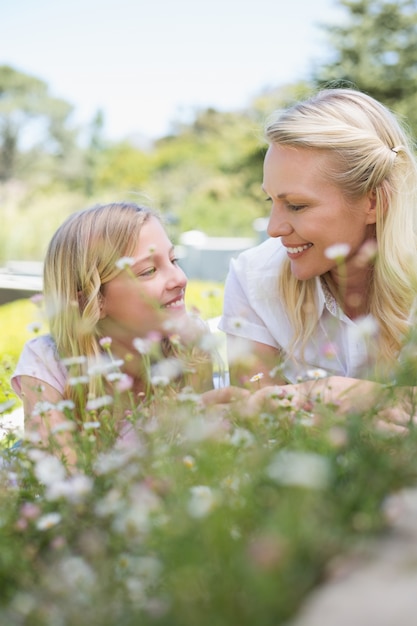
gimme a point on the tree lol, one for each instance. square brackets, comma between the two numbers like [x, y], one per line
[31, 121]
[375, 50]
[202, 176]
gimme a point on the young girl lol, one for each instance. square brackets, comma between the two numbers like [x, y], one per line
[333, 287]
[114, 297]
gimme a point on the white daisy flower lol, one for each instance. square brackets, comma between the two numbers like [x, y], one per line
[316, 373]
[124, 262]
[98, 403]
[201, 502]
[48, 521]
[302, 469]
[338, 251]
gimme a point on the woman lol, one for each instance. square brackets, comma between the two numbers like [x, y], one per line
[331, 291]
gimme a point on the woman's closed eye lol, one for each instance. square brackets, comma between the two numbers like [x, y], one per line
[295, 207]
[291, 206]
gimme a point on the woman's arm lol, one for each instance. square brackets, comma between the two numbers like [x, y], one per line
[248, 358]
[347, 394]
[392, 408]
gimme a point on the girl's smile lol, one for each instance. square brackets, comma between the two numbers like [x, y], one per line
[140, 298]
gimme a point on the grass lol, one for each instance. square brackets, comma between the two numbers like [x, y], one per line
[208, 516]
[204, 518]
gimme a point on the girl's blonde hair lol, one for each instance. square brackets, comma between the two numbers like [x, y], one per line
[80, 259]
[370, 152]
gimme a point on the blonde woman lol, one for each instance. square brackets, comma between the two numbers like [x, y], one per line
[331, 291]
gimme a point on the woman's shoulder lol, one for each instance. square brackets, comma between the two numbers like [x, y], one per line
[267, 254]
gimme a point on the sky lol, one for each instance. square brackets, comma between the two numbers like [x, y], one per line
[149, 63]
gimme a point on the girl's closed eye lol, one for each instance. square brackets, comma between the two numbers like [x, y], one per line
[148, 272]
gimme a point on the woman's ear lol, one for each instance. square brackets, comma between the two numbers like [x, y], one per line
[371, 207]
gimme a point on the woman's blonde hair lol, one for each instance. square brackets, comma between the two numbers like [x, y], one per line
[370, 152]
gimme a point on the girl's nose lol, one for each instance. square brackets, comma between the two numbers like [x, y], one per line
[177, 278]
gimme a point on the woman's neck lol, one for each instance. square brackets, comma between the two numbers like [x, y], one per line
[351, 285]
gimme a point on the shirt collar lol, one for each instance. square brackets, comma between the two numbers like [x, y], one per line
[327, 298]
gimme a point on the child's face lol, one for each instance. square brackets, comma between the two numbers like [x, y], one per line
[151, 291]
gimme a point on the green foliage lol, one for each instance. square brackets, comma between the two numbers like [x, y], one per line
[124, 167]
[229, 213]
[375, 49]
[218, 514]
[26, 106]
[204, 175]
[30, 217]
[19, 318]
[201, 518]
[207, 174]
[206, 297]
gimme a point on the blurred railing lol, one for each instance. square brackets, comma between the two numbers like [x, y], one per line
[201, 257]
[19, 280]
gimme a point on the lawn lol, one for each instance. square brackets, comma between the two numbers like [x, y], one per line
[206, 515]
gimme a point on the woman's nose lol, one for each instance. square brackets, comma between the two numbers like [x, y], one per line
[279, 225]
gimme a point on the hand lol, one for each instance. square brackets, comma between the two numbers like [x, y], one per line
[224, 395]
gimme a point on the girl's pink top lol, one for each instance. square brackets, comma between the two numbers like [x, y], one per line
[39, 359]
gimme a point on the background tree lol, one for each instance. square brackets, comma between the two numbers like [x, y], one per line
[32, 123]
[200, 175]
[95, 147]
[207, 173]
[375, 49]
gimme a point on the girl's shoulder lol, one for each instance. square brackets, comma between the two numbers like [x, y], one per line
[39, 359]
[41, 349]
[40, 344]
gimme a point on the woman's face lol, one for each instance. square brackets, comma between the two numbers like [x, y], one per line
[148, 293]
[309, 213]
